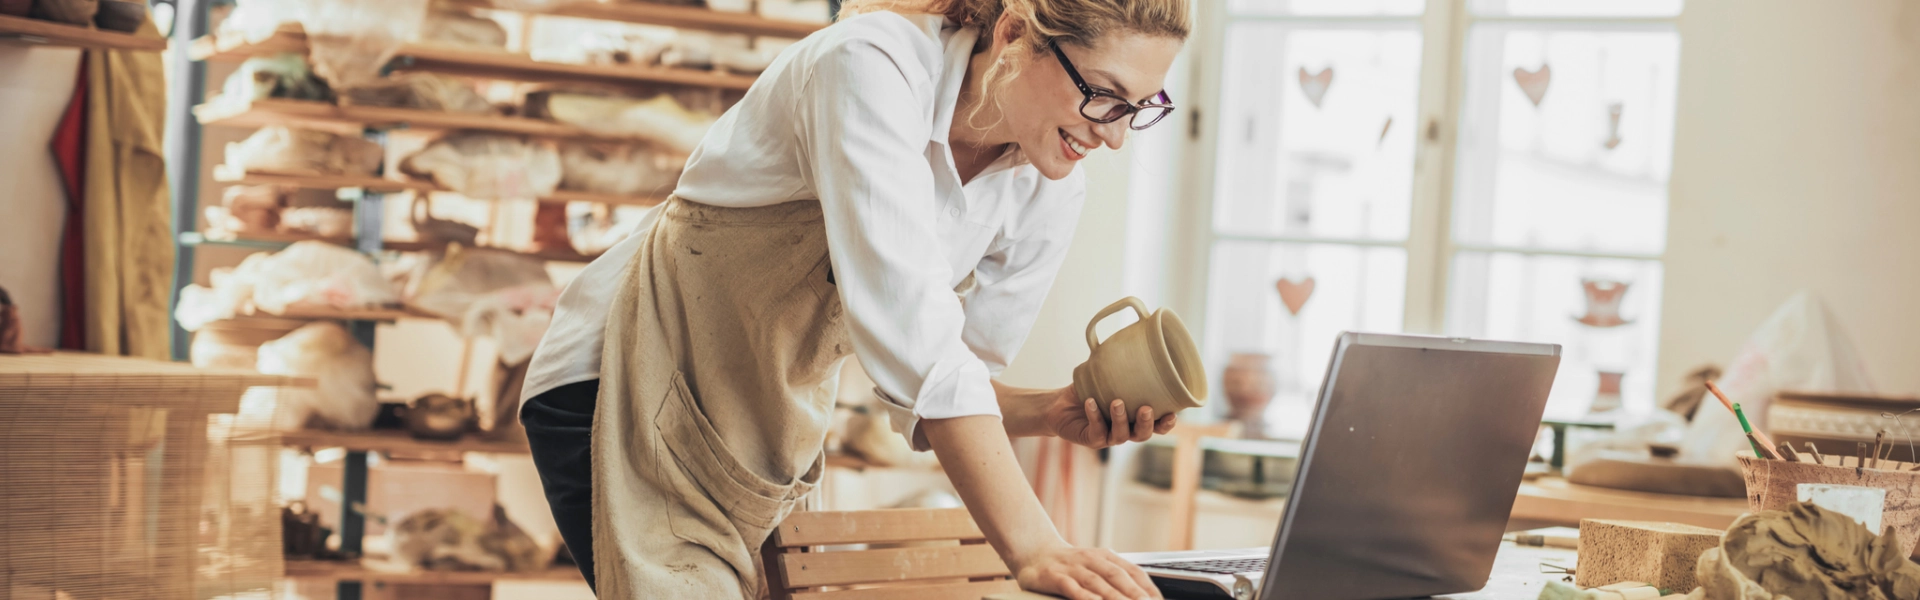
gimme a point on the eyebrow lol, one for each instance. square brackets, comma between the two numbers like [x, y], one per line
[1118, 87]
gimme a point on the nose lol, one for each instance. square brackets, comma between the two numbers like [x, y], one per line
[1112, 134]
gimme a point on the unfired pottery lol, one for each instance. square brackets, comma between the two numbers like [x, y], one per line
[1152, 362]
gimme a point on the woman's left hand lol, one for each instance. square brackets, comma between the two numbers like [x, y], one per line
[1082, 422]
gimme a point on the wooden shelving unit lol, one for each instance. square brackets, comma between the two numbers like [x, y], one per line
[685, 17]
[375, 571]
[48, 33]
[389, 441]
[478, 62]
[401, 246]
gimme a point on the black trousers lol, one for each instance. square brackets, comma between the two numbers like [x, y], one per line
[559, 427]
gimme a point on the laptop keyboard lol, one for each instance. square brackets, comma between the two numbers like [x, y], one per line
[1216, 566]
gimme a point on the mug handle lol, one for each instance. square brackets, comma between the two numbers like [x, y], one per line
[1140, 308]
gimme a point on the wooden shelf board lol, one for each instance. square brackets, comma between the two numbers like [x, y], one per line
[310, 312]
[487, 64]
[688, 17]
[36, 31]
[417, 246]
[357, 571]
[258, 240]
[308, 113]
[381, 184]
[370, 183]
[479, 62]
[387, 441]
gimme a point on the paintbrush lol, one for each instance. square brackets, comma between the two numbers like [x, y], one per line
[1763, 445]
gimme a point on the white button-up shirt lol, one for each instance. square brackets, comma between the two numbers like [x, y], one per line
[857, 116]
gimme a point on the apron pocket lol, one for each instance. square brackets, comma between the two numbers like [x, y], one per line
[721, 505]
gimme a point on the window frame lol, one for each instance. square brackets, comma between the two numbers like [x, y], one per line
[1445, 28]
[1430, 245]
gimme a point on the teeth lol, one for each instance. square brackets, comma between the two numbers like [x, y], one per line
[1075, 145]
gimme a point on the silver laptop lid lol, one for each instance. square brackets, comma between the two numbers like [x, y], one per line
[1409, 467]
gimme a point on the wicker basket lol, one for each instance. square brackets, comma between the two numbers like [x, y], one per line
[1774, 484]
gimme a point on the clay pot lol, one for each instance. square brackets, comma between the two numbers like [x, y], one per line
[1152, 362]
[1249, 383]
[439, 417]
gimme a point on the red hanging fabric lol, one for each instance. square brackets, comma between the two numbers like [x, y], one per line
[69, 155]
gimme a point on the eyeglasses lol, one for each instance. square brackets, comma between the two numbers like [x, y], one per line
[1104, 106]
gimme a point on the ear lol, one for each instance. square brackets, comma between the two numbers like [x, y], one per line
[1008, 29]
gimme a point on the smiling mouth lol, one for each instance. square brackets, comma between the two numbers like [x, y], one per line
[1071, 147]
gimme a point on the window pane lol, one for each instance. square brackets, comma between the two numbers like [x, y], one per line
[1327, 8]
[1317, 131]
[1578, 8]
[1335, 287]
[1566, 139]
[1604, 312]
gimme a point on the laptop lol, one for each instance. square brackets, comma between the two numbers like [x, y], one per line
[1406, 477]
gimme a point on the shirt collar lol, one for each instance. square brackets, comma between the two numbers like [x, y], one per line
[958, 43]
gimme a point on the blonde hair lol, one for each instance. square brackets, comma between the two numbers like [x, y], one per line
[1079, 22]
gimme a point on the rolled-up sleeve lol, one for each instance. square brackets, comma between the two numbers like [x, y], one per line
[863, 121]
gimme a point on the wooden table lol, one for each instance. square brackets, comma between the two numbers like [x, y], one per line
[103, 460]
[1516, 576]
[1552, 500]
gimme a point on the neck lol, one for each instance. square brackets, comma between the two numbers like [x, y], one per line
[978, 125]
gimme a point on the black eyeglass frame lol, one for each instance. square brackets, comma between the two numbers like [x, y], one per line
[1091, 92]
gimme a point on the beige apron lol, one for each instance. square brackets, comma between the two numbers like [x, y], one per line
[717, 383]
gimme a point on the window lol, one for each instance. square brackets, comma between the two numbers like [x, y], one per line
[1481, 168]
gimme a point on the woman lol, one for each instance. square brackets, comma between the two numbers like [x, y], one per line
[900, 186]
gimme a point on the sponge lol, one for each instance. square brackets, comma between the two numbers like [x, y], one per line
[1663, 555]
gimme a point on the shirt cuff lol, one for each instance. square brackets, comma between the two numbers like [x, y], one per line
[965, 392]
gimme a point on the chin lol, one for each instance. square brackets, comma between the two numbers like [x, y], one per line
[1054, 169]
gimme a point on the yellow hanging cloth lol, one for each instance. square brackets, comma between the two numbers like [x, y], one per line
[127, 217]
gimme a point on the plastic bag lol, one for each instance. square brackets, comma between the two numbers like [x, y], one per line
[1800, 347]
[324, 351]
[488, 165]
[491, 293]
[350, 41]
[278, 149]
[277, 76]
[317, 220]
[423, 92]
[456, 27]
[625, 169]
[661, 119]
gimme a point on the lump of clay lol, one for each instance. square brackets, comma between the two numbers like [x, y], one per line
[488, 165]
[283, 75]
[1806, 553]
[459, 27]
[244, 210]
[445, 539]
[71, 12]
[277, 149]
[325, 352]
[623, 169]
[421, 91]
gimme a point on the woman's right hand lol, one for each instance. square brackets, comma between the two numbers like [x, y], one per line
[1084, 574]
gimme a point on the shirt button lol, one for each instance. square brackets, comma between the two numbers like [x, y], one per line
[954, 212]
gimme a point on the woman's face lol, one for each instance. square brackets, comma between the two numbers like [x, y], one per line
[1042, 105]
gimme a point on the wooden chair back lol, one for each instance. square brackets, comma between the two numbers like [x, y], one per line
[897, 564]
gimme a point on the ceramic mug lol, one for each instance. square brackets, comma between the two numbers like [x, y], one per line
[1152, 362]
